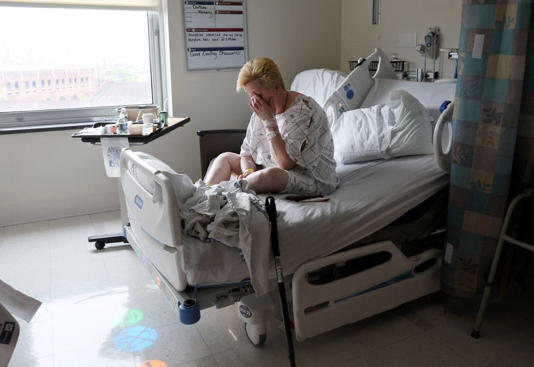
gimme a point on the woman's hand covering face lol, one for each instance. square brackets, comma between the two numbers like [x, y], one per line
[262, 109]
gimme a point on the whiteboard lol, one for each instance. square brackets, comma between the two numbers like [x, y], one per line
[215, 34]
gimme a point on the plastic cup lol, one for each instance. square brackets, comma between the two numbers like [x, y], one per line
[163, 117]
[148, 123]
[148, 117]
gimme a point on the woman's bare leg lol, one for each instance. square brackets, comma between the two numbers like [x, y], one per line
[222, 168]
[271, 179]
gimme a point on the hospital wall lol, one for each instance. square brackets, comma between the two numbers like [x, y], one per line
[50, 175]
[359, 37]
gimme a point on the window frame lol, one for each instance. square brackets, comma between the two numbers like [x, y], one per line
[59, 119]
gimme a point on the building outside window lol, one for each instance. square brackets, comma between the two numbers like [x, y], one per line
[113, 64]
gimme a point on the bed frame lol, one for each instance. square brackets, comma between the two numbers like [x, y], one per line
[395, 279]
[318, 305]
[325, 293]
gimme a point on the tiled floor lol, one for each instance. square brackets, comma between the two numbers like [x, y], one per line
[102, 309]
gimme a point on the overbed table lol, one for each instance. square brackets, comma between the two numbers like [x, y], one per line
[173, 123]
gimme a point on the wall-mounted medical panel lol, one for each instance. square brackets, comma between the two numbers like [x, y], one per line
[215, 34]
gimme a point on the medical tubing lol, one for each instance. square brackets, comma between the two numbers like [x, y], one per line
[270, 206]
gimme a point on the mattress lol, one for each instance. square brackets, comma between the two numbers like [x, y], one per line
[370, 196]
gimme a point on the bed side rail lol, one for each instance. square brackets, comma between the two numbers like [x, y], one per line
[214, 142]
[155, 213]
[441, 154]
[394, 279]
[350, 94]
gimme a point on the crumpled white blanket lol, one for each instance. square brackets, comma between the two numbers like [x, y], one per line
[230, 215]
[205, 205]
[226, 213]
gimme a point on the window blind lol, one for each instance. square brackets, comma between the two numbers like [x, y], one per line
[101, 4]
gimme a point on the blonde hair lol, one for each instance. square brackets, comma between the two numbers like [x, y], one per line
[262, 69]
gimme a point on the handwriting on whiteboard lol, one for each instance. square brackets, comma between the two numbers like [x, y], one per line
[215, 35]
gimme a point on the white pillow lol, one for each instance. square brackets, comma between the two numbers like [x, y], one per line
[318, 83]
[411, 134]
[382, 131]
[362, 135]
[431, 95]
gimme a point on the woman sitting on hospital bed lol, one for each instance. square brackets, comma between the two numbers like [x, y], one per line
[288, 146]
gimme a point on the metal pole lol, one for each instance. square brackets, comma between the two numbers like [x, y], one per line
[475, 333]
[271, 211]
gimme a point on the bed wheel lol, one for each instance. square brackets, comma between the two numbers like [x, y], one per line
[100, 245]
[257, 340]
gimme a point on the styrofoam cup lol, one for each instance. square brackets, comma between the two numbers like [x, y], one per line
[148, 118]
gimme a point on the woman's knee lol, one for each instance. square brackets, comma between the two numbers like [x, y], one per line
[276, 177]
[226, 157]
[273, 173]
[221, 167]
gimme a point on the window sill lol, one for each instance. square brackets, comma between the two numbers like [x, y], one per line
[44, 128]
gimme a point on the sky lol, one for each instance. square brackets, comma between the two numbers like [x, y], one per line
[72, 37]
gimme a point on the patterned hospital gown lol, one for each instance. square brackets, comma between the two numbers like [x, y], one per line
[304, 129]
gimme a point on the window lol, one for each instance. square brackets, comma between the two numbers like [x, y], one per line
[97, 60]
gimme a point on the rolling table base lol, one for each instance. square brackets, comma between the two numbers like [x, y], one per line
[101, 240]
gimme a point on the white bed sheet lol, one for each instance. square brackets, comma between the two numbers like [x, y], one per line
[371, 195]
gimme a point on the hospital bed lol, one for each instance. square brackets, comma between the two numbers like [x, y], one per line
[373, 246]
